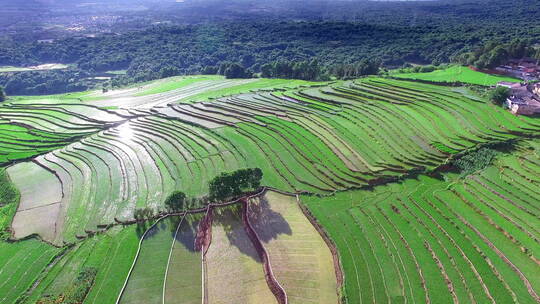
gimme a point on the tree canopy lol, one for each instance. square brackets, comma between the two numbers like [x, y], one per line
[494, 53]
[231, 184]
[176, 201]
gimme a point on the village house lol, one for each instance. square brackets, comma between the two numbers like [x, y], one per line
[527, 69]
[524, 99]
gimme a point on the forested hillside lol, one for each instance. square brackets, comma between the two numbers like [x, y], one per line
[396, 33]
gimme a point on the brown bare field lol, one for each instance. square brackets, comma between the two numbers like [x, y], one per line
[300, 259]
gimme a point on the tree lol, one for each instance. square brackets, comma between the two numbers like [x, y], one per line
[176, 201]
[2, 94]
[499, 95]
[235, 70]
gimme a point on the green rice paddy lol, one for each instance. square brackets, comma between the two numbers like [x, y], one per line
[458, 74]
[442, 239]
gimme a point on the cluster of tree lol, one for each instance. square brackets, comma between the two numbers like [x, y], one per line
[45, 82]
[306, 70]
[499, 95]
[233, 70]
[223, 186]
[494, 53]
[355, 70]
[476, 160]
[176, 201]
[228, 185]
[2, 94]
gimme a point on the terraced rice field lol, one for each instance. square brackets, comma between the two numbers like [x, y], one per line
[32, 129]
[83, 162]
[318, 139]
[234, 270]
[443, 240]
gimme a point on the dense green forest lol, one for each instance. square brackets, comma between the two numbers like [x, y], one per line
[437, 32]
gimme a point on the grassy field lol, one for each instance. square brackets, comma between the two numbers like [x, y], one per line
[458, 239]
[458, 74]
[175, 83]
[256, 85]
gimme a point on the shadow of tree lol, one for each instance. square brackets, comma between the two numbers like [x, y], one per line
[230, 219]
[187, 234]
[142, 227]
[268, 223]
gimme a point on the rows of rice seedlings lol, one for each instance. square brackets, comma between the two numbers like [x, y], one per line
[472, 239]
[300, 259]
[146, 280]
[21, 263]
[109, 254]
[454, 117]
[182, 281]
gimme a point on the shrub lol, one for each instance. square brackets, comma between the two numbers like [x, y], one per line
[427, 69]
[77, 291]
[9, 198]
[499, 95]
[176, 201]
[475, 161]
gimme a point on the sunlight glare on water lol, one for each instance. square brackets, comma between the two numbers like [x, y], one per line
[125, 132]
